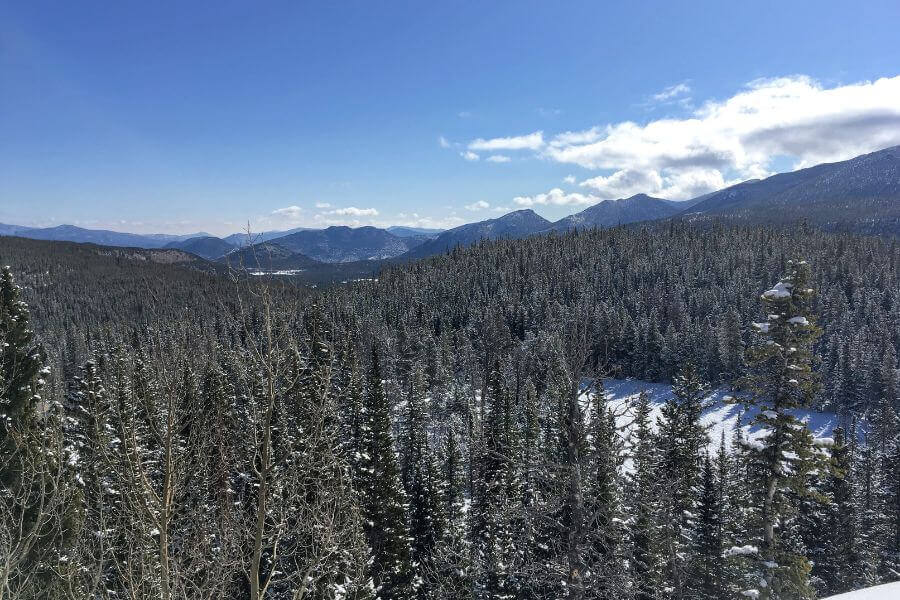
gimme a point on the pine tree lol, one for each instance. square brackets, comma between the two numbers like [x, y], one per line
[891, 503]
[646, 568]
[869, 514]
[491, 525]
[840, 566]
[450, 575]
[731, 345]
[781, 380]
[31, 488]
[707, 569]
[681, 437]
[22, 363]
[426, 520]
[381, 494]
[90, 451]
[605, 553]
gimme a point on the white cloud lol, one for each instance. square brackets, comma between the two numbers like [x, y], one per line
[736, 138]
[469, 155]
[416, 220]
[570, 179]
[556, 197]
[323, 205]
[569, 138]
[464, 114]
[354, 212]
[624, 183]
[673, 91]
[532, 141]
[289, 212]
[444, 142]
[476, 206]
[497, 158]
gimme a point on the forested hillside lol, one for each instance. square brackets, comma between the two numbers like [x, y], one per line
[437, 433]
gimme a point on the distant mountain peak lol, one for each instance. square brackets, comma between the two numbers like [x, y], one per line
[610, 213]
[515, 224]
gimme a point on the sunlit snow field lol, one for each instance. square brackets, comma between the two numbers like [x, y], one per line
[718, 415]
[888, 591]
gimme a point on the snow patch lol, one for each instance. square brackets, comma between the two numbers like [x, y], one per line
[888, 591]
[781, 290]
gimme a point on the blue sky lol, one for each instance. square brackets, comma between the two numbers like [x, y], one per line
[180, 117]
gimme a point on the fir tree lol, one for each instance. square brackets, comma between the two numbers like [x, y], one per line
[707, 569]
[491, 526]
[381, 494]
[605, 553]
[643, 506]
[840, 566]
[30, 485]
[780, 381]
[680, 438]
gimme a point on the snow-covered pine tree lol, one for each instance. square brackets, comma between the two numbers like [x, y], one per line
[884, 433]
[680, 438]
[891, 504]
[493, 537]
[643, 506]
[731, 345]
[426, 522]
[604, 556]
[707, 573]
[90, 453]
[382, 497]
[31, 472]
[781, 380]
[449, 576]
[839, 566]
[868, 512]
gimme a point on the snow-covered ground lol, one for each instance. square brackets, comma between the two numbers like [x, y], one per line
[888, 591]
[719, 416]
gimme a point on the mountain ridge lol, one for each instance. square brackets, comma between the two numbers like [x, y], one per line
[518, 223]
[860, 195]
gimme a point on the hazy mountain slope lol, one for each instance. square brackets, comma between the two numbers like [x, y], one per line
[71, 233]
[346, 244]
[240, 239]
[267, 256]
[401, 231]
[516, 224]
[861, 194]
[610, 213]
[12, 229]
[207, 246]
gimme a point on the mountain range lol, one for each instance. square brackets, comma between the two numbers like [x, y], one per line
[103, 237]
[859, 195]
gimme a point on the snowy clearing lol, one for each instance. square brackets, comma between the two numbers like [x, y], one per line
[888, 591]
[719, 416]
